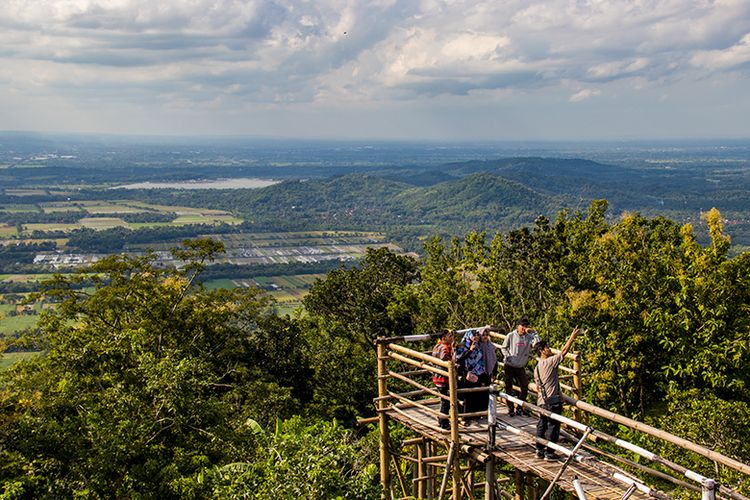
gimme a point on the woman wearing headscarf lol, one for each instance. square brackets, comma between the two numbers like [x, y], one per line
[478, 357]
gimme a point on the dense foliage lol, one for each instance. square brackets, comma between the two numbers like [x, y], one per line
[150, 383]
[155, 387]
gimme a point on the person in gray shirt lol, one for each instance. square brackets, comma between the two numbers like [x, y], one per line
[516, 350]
[549, 395]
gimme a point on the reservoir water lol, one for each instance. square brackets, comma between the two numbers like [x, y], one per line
[239, 183]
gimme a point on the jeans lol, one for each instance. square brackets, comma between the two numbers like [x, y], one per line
[548, 428]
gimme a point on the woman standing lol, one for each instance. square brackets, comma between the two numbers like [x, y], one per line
[478, 357]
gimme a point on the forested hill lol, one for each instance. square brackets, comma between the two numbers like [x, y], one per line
[410, 201]
[563, 167]
[478, 197]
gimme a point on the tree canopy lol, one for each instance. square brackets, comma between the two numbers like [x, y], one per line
[153, 386]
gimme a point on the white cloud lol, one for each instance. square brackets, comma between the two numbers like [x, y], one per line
[584, 94]
[728, 58]
[278, 53]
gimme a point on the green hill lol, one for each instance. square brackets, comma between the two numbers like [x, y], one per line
[478, 197]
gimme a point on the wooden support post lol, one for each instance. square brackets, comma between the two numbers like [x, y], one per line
[429, 451]
[399, 475]
[420, 470]
[577, 385]
[520, 486]
[489, 466]
[533, 490]
[385, 459]
[455, 445]
[470, 480]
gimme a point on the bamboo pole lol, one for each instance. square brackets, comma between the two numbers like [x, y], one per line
[520, 480]
[405, 394]
[430, 449]
[532, 487]
[424, 365]
[419, 355]
[385, 461]
[423, 424]
[366, 421]
[444, 482]
[399, 475]
[566, 463]
[647, 470]
[489, 466]
[577, 384]
[683, 471]
[666, 436]
[409, 402]
[421, 471]
[411, 382]
[453, 393]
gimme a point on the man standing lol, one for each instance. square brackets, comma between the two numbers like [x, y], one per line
[549, 395]
[516, 349]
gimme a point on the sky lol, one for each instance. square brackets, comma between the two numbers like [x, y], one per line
[383, 69]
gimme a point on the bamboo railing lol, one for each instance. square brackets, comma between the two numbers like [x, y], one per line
[404, 383]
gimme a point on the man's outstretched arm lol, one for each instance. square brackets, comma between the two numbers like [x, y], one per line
[569, 342]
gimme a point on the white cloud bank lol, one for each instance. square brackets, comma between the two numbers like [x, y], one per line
[249, 66]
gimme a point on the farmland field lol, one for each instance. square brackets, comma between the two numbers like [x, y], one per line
[50, 209]
[10, 324]
[29, 228]
[24, 278]
[91, 212]
[8, 359]
[18, 209]
[287, 291]
[25, 192]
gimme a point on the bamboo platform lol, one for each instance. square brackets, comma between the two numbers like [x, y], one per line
[459, 462]
[519, 451]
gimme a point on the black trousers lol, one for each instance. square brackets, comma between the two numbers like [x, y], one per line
[515, 376]
[445, 406]
[548, 428]
[476, 401]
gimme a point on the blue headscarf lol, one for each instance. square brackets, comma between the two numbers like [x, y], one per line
[474, 362]
[482, 359]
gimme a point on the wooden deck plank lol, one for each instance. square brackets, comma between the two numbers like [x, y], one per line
[519, 451]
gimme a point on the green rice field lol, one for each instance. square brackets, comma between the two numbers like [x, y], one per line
[8, 359]
[18, 209]
[25, 278]
[11, 324]
[287, 291]
[88, 209]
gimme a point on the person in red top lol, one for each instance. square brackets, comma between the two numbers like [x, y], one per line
[444, 351]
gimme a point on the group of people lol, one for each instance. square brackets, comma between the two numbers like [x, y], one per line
[476, 360]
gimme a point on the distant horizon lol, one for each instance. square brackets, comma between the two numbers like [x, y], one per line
[385, 140]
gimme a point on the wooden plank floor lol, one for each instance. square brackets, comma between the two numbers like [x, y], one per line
[519, 451]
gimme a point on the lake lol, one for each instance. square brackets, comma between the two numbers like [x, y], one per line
[239, 183]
